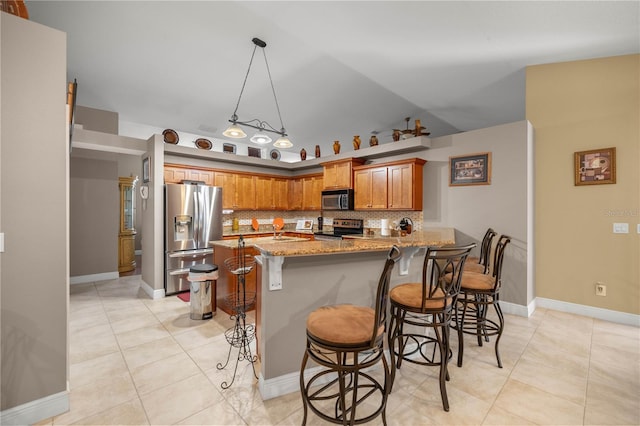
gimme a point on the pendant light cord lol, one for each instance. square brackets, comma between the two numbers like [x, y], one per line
[235, 116]
[272, 88]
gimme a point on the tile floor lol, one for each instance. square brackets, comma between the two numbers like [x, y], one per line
[139, 361]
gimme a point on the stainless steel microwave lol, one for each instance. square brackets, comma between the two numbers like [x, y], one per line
[337, 199]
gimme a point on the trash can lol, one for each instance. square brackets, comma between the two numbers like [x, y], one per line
[202, 278]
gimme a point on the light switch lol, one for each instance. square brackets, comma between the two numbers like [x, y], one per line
[620, 228]
[638, 226]
[2, 240]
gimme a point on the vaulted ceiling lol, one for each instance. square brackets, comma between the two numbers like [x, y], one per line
[339, 68]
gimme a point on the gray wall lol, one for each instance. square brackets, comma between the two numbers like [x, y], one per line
[94, 216]
[504, 205]
[34, 215]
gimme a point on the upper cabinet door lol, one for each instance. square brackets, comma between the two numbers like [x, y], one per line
[339, 174]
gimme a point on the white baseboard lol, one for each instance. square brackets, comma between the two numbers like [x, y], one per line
[152, 292]
[520, 310]
[589, 311]
[82, 279]
[36, 411]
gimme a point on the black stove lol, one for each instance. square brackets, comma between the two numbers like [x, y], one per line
[342, 227]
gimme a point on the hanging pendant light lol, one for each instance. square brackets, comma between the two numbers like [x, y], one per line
[236, 132]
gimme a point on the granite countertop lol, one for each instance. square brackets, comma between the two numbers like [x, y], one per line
[250, 242]
[427, 237]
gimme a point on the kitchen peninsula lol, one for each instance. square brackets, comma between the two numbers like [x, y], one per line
[296, 277]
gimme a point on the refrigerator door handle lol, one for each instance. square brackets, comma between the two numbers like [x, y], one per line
[191, 253]
[196, 213]
[179, 272]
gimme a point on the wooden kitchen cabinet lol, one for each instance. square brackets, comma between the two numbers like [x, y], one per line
[238, 190]
[177, 174]
[370, 188]
[271, 193]
[227, 283]
[395, 186]
[311, 192]
[339, 174]
[295, 194]
[405, 186]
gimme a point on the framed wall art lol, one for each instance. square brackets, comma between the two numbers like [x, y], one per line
[229, 148]
[595, 167]
[471, 169]
[146, 169]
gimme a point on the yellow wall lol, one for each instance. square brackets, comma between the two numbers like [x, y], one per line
[579, 106]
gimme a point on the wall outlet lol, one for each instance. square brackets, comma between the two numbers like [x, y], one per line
[620, 228]
[601, 289]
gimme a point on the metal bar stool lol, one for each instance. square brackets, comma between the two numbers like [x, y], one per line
[478, 292]
[417, 308]
[344, 340]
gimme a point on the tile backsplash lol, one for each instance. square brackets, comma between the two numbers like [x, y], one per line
[371, 219]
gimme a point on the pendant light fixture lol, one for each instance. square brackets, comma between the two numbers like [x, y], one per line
[235, 130]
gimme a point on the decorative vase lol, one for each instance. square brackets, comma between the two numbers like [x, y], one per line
[303, 154]
[396, 135]
[336, 147]
[356, 142]
[418, 131]
[317, 151]
[373, 141]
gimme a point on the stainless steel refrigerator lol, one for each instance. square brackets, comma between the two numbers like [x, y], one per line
[193, 217]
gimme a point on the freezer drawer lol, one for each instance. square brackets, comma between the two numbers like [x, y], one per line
[184, 259]
[177, 267]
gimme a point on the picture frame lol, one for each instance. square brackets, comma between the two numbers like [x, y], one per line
[595, 167]
[229, 148]
[254, 152]
[470, 169]
[146, 169]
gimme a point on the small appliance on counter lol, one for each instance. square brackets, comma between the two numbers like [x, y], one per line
[304, 225]
[406, 224]
[341, 227]
[320, 221]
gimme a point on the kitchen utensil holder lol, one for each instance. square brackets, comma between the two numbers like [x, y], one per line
[241, 334]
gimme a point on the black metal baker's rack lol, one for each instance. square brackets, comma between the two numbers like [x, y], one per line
[241, 334]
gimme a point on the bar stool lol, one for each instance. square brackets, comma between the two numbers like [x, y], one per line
[428, 305]
[483, 261]
[344, 340]
[478, 292]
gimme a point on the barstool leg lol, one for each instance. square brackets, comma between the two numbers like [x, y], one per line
[496, 305]
[460, 326]
[444, 355]
[303, 388]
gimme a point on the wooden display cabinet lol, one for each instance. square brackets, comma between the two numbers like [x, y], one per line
[339, 174]
[127, 233]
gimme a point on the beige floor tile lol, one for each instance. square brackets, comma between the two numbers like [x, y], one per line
[544, 354]
[89, 371]
[220, 413]
[178, 401]
[89, 347]
[616, 355]
[163, 372]
[93, 398]
[148, 334]
[565, 384]
[146, 353]
[553, 340]
[87, 318]
[129, 413]
[499, 417]
[604, 409]
[165, 304]
[537, 406]
[131, 313]
[478, 379]
[607, 327]
[464, 409]
[135, 322]
[208, 356]
[179, 321]
[199, 336]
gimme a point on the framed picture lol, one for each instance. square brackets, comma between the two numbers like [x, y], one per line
[595, 167]
[254, 152]
[146, 169]
[229, 148]
[472, 169]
